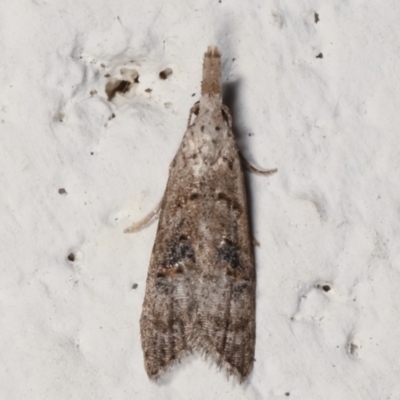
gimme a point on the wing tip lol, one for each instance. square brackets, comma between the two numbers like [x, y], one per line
[162, 348]
[241, 371]
[156, 369]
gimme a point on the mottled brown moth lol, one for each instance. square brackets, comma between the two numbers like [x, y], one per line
[200, 292]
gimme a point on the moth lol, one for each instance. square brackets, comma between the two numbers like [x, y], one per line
[200, 290]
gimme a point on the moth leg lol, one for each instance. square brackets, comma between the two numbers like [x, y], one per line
[246, 164]
[140, 224]
[194, 110]
[249, 167]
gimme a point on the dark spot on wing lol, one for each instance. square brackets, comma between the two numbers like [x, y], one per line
[163, 285]
[194, 196]
[232, 203]
[180, 250]
[229, 252]
[223, 197]
[240, 288]
[229, 161]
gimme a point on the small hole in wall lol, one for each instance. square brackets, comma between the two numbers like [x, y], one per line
[165, 73]
[353, 349]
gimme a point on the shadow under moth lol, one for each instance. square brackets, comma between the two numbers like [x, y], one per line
[200, 291]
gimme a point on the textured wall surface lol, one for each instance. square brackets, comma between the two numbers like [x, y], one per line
[314, 91]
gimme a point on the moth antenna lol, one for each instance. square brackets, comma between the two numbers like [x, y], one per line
[211, 83]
